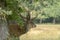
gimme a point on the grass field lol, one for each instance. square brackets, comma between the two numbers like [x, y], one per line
[43, 32]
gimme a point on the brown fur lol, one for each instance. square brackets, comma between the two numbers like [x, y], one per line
[15, 30]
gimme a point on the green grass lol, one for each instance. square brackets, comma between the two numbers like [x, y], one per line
[43, 32]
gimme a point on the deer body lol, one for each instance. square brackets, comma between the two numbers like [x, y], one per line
[15, 30]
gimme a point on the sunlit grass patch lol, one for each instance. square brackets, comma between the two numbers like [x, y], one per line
[42, 33]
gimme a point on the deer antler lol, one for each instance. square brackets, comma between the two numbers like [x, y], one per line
[28, 15]
[35, 17]
[22, 17]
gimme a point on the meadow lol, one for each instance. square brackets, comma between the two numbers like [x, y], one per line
[43, 32]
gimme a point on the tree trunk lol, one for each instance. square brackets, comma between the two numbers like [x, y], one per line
[54, 21]
[40, 21]
[3, 30]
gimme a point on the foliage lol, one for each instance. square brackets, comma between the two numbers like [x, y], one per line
[45, 8]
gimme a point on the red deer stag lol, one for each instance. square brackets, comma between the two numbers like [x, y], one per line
[16, 30]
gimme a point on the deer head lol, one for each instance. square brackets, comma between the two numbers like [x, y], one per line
[28, 20]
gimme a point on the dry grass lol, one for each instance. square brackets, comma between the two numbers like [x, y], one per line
[43, 32]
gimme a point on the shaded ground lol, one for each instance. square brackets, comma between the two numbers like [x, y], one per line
[43, 32]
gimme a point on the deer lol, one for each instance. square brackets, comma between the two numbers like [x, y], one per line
[16, 30]
[28, 20]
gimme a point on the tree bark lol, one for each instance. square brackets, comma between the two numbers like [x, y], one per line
[54, 21]
[40, 21]
[3, 30]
